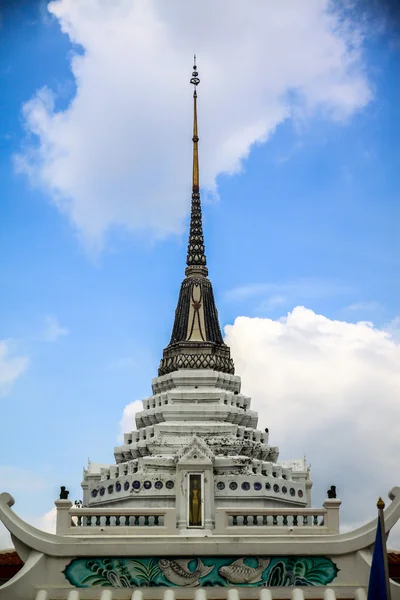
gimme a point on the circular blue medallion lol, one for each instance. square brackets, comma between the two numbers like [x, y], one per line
[169, 485]
[245, 485]
[102, 491]
[147, 485]
[233, 485]
[118, 487]
[276, 488]
[284, 489]
[94, 493]
[220, 485]
[158, 485]
[126, 486]
[292, 492]
[136, 484]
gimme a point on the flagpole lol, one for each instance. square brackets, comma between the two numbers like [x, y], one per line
[380, 506]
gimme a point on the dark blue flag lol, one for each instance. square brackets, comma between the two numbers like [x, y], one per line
[377, 579]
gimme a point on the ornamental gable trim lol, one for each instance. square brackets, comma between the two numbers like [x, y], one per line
[196, 451]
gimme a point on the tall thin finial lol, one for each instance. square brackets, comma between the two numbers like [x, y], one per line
[196, 259]
[195, 81]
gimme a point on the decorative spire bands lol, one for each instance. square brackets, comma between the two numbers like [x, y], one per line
[196, 258]
[196, 340]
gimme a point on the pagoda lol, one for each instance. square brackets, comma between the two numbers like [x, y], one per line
[196, 504]
[197, 417]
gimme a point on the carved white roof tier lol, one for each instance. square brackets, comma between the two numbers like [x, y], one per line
[296, 465]
[195, 377]
[206, 402]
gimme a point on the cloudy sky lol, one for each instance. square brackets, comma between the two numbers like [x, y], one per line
[299, 158]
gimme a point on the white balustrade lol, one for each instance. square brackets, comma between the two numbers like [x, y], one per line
[72, 520]
[302, 521]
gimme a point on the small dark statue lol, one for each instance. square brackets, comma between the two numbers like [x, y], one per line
[332, 492]
[63, 493]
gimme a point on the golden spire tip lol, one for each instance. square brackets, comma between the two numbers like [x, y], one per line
[380, 504]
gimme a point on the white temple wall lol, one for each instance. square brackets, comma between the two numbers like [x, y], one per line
[47, 572]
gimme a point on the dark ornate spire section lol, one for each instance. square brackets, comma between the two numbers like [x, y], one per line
[196, 340]
[196, 258]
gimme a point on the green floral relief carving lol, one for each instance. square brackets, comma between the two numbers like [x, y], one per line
[204, 571]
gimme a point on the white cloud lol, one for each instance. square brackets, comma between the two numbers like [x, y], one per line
[46, 522]
[11, 367]
[119, 155]
[53, 330]
[128, 422]
[331, 389]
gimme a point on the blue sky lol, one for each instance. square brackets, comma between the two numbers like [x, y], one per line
[309, 217]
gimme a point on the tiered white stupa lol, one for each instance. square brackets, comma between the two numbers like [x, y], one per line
[197, 417]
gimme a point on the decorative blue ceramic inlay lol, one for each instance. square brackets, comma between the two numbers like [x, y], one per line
[245, 485]
[215, 571]
[257, 486]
